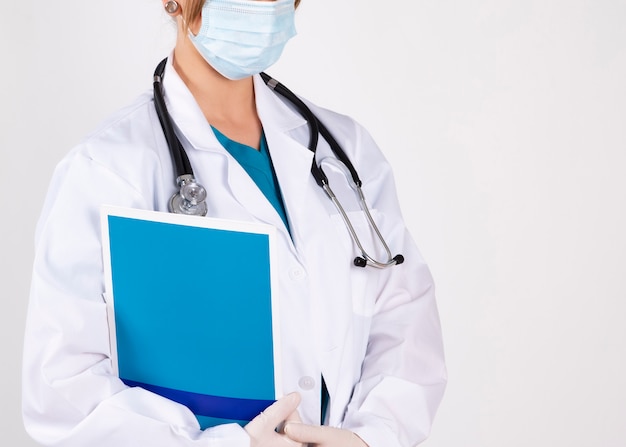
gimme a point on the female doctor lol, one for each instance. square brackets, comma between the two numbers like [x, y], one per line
[366, 339]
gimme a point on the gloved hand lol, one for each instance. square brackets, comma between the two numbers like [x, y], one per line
[322, 436]
[262, 429]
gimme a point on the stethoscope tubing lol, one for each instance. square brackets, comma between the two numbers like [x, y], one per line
[316, 127]
[182, 165]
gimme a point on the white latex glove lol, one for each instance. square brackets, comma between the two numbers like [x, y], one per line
[262, 429]
[322, 436]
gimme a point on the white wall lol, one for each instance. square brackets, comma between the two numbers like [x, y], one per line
[505, 122]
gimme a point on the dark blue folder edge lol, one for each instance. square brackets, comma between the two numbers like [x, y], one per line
[206, 405]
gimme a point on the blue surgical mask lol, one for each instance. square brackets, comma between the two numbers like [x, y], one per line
[240, 38]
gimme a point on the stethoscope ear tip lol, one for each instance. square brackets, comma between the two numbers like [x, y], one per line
[399, 259]
[360, 262]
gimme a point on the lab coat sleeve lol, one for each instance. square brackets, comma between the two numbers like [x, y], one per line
[403, 374]
[71, 398]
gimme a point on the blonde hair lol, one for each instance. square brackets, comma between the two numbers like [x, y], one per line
[194, 9]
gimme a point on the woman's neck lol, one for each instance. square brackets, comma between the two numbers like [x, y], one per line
[227, 105]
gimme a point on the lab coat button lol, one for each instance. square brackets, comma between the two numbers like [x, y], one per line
[306, 383]
[296, 274]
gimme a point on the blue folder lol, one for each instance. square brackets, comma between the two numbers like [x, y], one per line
[192, 311]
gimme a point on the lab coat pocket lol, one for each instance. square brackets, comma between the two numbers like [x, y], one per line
[362, 279]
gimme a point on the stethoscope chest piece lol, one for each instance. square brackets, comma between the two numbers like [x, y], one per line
[190, 199]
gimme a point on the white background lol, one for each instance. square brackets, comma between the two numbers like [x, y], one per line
[505, 121]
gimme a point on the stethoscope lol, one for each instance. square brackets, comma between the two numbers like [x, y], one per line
[191, 198]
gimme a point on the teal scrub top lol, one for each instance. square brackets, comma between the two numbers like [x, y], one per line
[258, 165]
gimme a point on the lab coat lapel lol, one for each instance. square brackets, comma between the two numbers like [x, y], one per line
[291, 161]
[291, 158]
[251, 197]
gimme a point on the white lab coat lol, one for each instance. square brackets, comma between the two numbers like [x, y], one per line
[373, 334]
